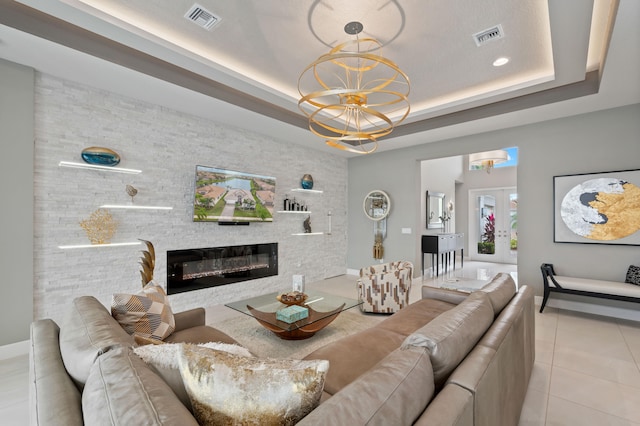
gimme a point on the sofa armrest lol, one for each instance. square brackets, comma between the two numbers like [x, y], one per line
[443, 294]
[54, 398]
[189, 319]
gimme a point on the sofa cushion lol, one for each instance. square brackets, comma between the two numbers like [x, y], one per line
[122, 390]
[500, 290]
[53, 396]
[164, 361]
[414, 316]
[87, 330]
[452, 407]
[394, 392]
[451, 336]
[353, 355]
[200, 334]
[230, 389]
[146, 313]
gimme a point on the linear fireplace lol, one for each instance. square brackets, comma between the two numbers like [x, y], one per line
[195, 269]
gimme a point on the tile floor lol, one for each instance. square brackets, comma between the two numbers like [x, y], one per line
[587, 369]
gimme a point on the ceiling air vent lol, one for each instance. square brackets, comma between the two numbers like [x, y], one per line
[202, 17]
[484, 37]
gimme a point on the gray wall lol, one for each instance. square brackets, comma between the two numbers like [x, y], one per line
[16, 190]
[601, 141]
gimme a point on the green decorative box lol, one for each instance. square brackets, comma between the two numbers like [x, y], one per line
[292, 314]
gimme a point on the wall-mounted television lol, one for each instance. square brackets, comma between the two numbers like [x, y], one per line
[227, 196]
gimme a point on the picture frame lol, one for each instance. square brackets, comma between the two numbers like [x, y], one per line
[434, 209]
[597, 208]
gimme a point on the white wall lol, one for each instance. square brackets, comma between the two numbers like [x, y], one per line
[16, 183]
[166, 145]
[599, 141]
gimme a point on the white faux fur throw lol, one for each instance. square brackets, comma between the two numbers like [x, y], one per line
[166, 355]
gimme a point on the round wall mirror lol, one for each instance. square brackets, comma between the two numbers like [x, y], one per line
[376, 205]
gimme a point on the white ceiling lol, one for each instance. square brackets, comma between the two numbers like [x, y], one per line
[566, 57]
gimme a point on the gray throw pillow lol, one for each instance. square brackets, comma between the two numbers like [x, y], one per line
[87, 331]
[451, 336]
[122, 390]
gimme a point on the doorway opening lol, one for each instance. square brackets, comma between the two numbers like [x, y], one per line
[493, 225]
[462, 183]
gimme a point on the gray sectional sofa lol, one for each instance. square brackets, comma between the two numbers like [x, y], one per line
[63, 357]
[448, 359]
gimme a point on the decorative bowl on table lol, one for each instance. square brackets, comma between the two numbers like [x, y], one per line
[292, 298]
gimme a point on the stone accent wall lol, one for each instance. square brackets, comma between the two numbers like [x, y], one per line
[166, 145]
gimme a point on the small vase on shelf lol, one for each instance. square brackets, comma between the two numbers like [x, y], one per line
[306, 182]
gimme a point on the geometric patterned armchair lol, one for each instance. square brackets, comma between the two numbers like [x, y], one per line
[385, 287]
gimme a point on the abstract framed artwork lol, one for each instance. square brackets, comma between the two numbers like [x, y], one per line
[597, 208]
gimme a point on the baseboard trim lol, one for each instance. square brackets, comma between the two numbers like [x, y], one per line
[590, 308]
[14, 349]
[355, 272]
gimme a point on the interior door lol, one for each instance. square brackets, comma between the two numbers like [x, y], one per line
[493, 225]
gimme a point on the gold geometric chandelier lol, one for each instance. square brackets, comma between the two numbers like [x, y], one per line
[353, 96]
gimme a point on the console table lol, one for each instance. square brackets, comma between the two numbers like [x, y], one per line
[443, 245]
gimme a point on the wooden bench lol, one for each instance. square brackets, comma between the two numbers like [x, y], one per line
[586, 287]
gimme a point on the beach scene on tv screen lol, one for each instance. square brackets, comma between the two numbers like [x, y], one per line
[230, 196]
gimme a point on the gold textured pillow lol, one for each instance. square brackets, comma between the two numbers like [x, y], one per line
[229, 389]
[146, 313]
[163, 358]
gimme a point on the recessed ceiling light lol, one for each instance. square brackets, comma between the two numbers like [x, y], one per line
[500, 62]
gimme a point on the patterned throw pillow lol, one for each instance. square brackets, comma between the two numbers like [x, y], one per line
[229, 389]
[633, 275]
[146, 313]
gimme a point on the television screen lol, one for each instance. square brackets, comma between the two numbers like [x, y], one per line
[229, 196]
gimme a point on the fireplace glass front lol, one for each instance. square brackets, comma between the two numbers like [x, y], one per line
[195, 269]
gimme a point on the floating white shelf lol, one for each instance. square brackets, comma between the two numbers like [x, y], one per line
[313, 191]
[97, 167]
[82, 246]
[134, 207]
[309, 233]
[293, 211]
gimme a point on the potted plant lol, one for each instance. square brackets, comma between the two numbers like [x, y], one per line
[488, 243]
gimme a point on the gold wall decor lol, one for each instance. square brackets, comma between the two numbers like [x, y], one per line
[148, 262]
[100, 227]
[131, 191]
